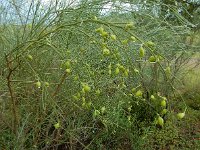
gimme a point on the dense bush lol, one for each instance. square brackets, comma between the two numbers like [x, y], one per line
[76, 79]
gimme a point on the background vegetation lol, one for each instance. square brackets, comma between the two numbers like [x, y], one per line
[99, 75]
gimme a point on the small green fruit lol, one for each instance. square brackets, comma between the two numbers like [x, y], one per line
[117, 71]
[106, 52]
[125, 42]
[129, 118]
[160, 121]
[57, 125]
[142, 52]
[68, 70]
[152, 59]
[136, 71]
[133, 38]
[152, 97]
[95, 18]
[110, 66]
[164, 111]
[100, 30]
[126, 73]
[86, 88]
[30, 57]
[104, 34]
[150, 44]
[75, 97]
[98, 92]
[38, 84]
[67, 64]
[163, 103]
[113, 37]
[180, 115]
[129, 25]
[109, 72]
[103, 109]
[138, 93]
[46, 84]
[133, 90]
[96, 113]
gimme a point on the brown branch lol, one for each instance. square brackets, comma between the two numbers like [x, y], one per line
[13, 100]
[60, 84]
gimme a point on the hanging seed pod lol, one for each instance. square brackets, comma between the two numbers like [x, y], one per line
[38, 84]
[152, 59]
[160, 121]
[164, 111]
[142, 51]
[106, 52]
[117, 71]
[57, 125]
[138, 93]
[113, 37]
[30, 57]
[163, 103]
[68, 70]
[181, 115]
[86, 88]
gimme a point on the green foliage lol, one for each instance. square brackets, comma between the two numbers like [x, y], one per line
[75, 79]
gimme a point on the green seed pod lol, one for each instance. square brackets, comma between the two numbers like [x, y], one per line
[136, 71]
[133, 90]
[30, 57]
[138, 93]
[164, 111]
[110, 66]
[38, 84]
[129, 25]
[57, 125]
[160, 121]
[152, 97]
[126, 73]
[46, 84]
[88, 105]
[113, 37]
[109, 72]
[96, 113]
[95, 18]
[103, 109]
[133, 38]
[86, 88]
[106, 52]
[83, 104]
[150, 44]
[129, 108]
[121, 67]
[152, 59]
[142, 52]
[104, 34]
[117, 71]
[125, 42]
[75, 97]
[98, 92]
[83, 99]
[181, 115]
[163, 103]
[100, 30]
[68, 70]
[76, 78]
[129, 118]
[67, 64]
